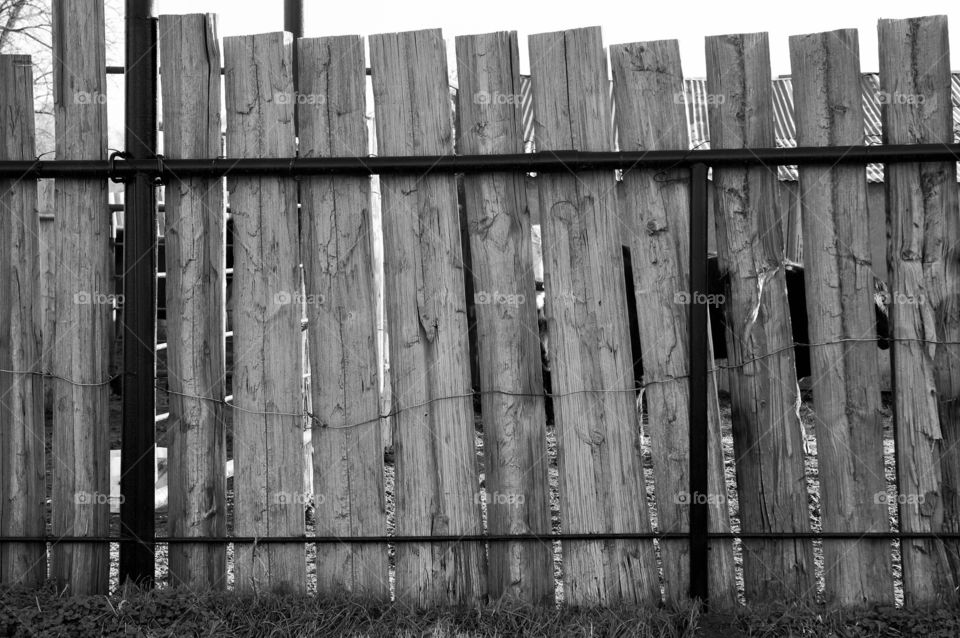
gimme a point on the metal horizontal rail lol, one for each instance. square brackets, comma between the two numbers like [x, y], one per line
[497, 538]
[119, 70]
[560, 161]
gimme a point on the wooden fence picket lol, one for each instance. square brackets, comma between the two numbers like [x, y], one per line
[268, 441]
[336, 245]
[768, 436]
[840, 305]
[648, 89]
[84, 301]
[195, 261]
[509, 348]
[22, 453]
[925, 278]
[601, 477]
[437, 482]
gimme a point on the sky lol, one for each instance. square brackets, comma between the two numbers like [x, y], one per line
[621, 22]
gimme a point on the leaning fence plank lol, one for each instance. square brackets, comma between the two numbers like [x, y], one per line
[268, 442]
[923, 254]
[436, 474]
[601, 478]
[510, 364]
[336, 244]
[768, 436]
[839, 287]
[648, 88]
[81, 419]
[22, 470]
[195, 223]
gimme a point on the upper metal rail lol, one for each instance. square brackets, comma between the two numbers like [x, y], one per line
[559, 161]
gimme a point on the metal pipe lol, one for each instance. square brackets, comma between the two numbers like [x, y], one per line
[559, 161]
[699, 450]
[118, 70]
[140, 307]
[476, 538]
[293, 23]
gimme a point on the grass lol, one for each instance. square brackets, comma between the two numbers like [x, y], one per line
[167, 612]
[174, 613]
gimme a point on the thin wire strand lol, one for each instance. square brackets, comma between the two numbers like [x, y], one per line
[317, 421]
[50, 375]
[640, 387]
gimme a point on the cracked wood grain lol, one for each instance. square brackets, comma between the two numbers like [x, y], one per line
[195, 263]
[336, 245]
[268, 484]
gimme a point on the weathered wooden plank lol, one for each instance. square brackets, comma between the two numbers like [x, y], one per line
[656, 208]
[195, 262]
[340, 300]
[81, 420]
[601, 478]
[763, 387]
[509, 351]
[22, 470]
[436, 474]
[925, 275]
[839, 290]
[268, 441]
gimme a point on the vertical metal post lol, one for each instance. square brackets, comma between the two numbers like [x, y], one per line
[293, 22]
[140, 302]
[699, 548]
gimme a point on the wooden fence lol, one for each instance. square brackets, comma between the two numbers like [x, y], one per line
[610, 468]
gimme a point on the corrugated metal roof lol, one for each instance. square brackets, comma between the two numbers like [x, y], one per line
[785, 127]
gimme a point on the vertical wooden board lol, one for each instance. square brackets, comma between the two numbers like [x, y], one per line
[768, 436]
[336, 244]
[840, 306]
[268, 440]
[195, 261]
[436, 474]
[22, 469]
[601, 478]
[81, 420]
[517, 492]
[923, 233]
[656, 209]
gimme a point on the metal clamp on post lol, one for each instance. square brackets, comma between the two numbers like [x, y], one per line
[159, 179]
[113, 166]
